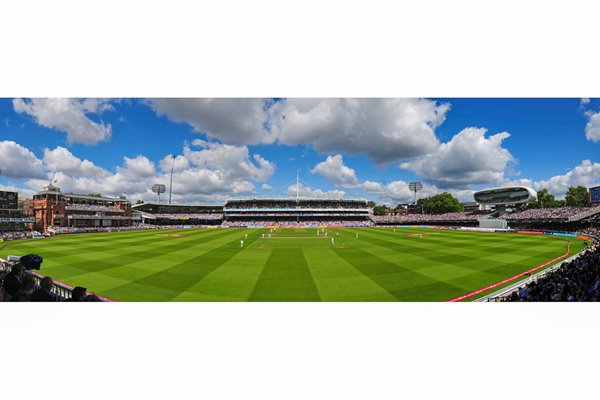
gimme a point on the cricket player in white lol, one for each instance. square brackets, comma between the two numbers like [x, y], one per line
[332, 241]
[241, 243]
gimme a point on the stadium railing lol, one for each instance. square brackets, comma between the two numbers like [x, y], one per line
[62, 291]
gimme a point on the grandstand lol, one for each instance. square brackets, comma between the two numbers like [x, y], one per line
[296, 212]
[14, 221]
[167, 215]
[52, 208]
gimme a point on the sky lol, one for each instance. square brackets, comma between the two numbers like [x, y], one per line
[351, 148]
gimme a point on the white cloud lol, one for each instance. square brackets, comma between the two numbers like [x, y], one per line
[233, 162]
[383, 129]
[70, 116]
[62, 160]
[333, 169]
[178, 163]
[584, 102]
[586, 174]
[469, 158]
[592, 128]
[17, 161]
[308, 192]
[139, 166]
[266, 186]
[233, 121]
[397, 192]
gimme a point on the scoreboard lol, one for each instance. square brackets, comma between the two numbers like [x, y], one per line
[8, 200]
[595, 195]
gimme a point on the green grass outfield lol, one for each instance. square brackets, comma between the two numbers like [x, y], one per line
[294, 265]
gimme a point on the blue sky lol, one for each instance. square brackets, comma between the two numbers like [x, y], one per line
[362, 148]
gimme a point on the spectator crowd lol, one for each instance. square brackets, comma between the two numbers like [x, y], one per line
[292, 204]
[19, 285]
[179, 216]
[295, 224]
[15, 235]
[557, 213]
[421, 218]
[577, 280]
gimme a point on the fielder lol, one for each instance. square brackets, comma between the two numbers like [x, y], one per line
[241, 243]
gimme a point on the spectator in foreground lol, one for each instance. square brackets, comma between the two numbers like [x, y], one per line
[91, 297]
[44, 293]
[12, 281]
[77, 294]
[27, 288]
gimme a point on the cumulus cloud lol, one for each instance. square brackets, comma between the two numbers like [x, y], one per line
[469, 158]
[178, 163]
[209, 175]
[70, 116]
[586, 174]
[139, 166]
[334, 169]
[266, 186]
[232, 121]
[62, 160]
[397, 192]
[592, 128]
[309, 193]
[383, 129]
[584, 102]
[18, 162]
[234, 162]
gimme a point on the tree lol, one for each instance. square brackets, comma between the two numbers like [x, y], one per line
[544, 200]
[577, 196]
[379, 210]
[139, 202]
[441, 203]
[371, 204]
[94, 194]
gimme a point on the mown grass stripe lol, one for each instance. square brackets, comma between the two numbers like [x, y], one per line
[285, 277]
[182, 276]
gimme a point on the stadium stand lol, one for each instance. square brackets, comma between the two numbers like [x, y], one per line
[577, 280]
[296, 212]
[52, 207]
[454, 218]
[173, 215]
[549, 214]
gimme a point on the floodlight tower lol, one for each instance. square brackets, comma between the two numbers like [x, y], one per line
[158, 189]
[415, 187]
[171, 184]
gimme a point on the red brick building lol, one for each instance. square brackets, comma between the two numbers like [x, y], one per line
[51, 207]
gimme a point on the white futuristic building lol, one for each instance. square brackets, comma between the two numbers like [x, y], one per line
[506, 196]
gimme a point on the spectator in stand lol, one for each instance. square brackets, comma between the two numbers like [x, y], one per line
[44, 293]
[12, 281]
[27, 288]
[77, 294]
[577, 280]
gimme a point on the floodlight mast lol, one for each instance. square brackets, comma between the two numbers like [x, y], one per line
[158, 189]
[171, 184]
[415, 187]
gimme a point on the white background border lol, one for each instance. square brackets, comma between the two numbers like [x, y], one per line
[305, 48]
